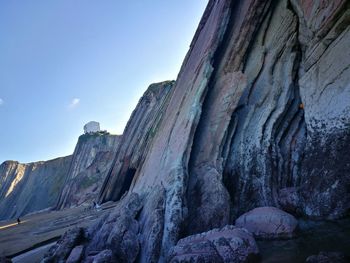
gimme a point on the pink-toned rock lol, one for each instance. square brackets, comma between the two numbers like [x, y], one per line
[229, 244]
[268, 222]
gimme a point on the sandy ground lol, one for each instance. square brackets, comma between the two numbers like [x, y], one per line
[38, 230]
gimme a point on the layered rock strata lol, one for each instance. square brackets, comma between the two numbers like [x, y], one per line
[92, 159]
[26, 188]
[260, 110]
[137, 139]
[69, 181]
[261, 104]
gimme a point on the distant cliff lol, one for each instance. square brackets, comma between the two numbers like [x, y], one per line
[91, 162]
[67, 181]
[26, 188]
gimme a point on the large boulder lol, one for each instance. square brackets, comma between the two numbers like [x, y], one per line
[268, 222]
[229, 244]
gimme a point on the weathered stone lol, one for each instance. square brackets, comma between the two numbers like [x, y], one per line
[327, 257]
[63, 248]
[76, 254]
[259, 116]
[288, 199]
[268, 222]
[229, 244]
[244, 121]
[74, 180]
[105, 256]
[115, 233]
[151, 222]
[137, 139]
[26, 188]
[118, 231]
[92, 159]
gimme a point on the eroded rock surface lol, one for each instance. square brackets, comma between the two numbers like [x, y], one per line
[137, 139]
[25, 188]
[63, 248]
[229, 244]
[268, 222]
[261, 104]
[69, 181]
[114, 238]
[92, 159]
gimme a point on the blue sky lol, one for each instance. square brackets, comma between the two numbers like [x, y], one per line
[64, 63]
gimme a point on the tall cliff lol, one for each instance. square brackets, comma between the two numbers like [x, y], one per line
[31, 187]
[68, 181]
[92, 159]
[260, 113]
[136, 140]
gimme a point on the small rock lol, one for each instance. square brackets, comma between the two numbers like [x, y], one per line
[327, 257]
[76, 254]
[229, 244]
[62, 249]
[268, 222]
[105, 256]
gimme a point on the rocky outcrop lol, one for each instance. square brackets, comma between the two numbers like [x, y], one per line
[113, 237]
[229, 244]
[65, 246]
[92, 159]
[71, 180]
[261, 105]
[26, 188]
[137, 139]
[268, 222]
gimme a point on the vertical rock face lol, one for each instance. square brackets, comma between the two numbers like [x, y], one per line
[91, 161]
[259, 116]
[31, 187]
[261, 105]
[324, 79]
[137, 139]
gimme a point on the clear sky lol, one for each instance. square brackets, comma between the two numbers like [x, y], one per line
[64, 63]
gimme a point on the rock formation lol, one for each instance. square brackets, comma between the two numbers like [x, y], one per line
[31, 187]
[261, 104]
[137, 139]
[91, 161]
[268, 222]
[260, 111]
[72, 180]
[229, 244]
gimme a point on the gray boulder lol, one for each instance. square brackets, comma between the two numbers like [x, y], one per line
[229, 244]
[268, 222]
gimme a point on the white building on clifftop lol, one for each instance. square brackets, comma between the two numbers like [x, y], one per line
[91, 127]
